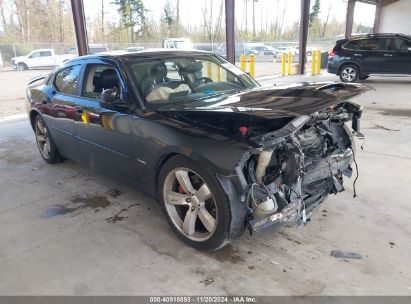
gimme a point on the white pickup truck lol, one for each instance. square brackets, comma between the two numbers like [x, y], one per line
[38, 59]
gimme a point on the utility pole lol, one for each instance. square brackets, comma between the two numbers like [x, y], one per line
[178, 16]
[102, 19]
[246, 16]
[254, 18]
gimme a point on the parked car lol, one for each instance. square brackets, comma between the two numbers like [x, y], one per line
[288, 49]
[92, 49]
[265, 50]
[240, 48]
[178, 43]
[358, 57]
[135, 48]
[219, 152]
[41, 58]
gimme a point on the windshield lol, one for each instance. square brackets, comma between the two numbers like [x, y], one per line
[170, 80]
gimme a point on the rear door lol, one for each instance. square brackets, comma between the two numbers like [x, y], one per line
[366, 52]
[47, 59]
[63, 110]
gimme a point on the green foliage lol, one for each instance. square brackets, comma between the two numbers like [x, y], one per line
[132, 12]
[168, 17]
[315, 12]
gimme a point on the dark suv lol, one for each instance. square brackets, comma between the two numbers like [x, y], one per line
[359, 56]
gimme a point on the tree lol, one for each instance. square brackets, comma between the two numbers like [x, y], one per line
[168, 16]
[315, 12]
[132, 15]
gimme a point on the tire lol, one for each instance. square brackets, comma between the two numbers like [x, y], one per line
[190, 193]
[47, 148]
[22, 66]
[363, 77]
[349, 73]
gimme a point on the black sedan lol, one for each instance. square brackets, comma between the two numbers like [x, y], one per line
[218, 151]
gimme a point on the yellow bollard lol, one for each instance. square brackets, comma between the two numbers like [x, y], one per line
[318, 62]
[290, 60]
[209, 71]
[218, 73]
[313, 62]
[283, 64]
[252, 60]
[243, 62]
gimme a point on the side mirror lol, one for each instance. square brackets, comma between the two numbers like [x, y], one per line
[109, 96]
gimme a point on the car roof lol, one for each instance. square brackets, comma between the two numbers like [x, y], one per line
[142, 54]
[377, 36]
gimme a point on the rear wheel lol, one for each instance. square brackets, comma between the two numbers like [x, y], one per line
[45, 143]
[194, 203]
[349, 73]
[22, 66]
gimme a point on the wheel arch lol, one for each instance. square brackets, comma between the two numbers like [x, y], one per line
[33, 114]
[165, 157]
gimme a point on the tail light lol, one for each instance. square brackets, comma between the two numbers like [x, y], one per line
[332, 54]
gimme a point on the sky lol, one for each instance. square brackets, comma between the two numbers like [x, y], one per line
[191, 14]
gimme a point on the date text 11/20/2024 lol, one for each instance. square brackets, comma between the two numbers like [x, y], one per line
[204, 299]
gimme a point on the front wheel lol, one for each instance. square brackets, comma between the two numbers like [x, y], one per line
[194, 204]
[22, 66]
[349, 73]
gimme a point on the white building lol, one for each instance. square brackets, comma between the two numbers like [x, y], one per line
[395, 17]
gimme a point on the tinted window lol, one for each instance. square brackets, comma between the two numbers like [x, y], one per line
[45, 53]
[395, 44]
[371, 44]
[97, 79]
[66, 80]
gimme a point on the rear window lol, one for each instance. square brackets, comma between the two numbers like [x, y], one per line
[371, 44]
[66, 80]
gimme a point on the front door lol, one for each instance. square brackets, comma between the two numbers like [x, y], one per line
[398, 55]
[104, 132]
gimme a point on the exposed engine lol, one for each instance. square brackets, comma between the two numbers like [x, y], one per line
[293, 173]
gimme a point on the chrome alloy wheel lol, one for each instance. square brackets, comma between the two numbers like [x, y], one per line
[190, 204]
[42, 139]
[348, 74]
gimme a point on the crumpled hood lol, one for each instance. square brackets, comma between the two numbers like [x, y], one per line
[276, 102]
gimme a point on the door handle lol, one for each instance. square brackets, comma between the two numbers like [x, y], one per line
[358, 55]
[79, 109]
[387, 55]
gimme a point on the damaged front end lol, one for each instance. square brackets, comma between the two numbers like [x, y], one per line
[297, 166]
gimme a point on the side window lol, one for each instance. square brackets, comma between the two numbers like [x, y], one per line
[66, 80]
[372, 44]
[35, 55]
[99, 77]
[401, 45]
[45, 54]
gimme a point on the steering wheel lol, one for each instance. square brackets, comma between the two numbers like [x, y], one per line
[201, 81]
